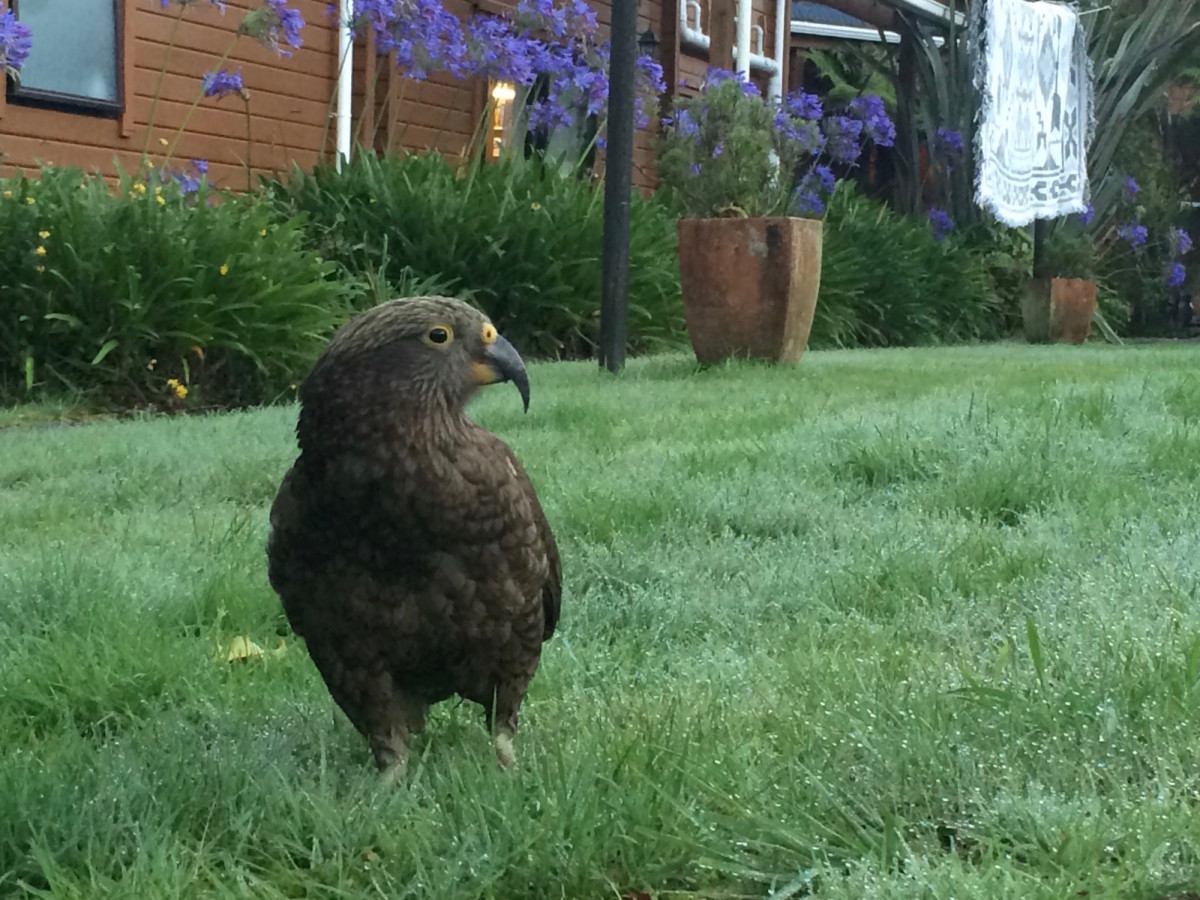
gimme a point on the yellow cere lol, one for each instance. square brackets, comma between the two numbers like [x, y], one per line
[482, 373]
[488, 334]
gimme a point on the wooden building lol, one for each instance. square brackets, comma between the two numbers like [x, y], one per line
[89, 86]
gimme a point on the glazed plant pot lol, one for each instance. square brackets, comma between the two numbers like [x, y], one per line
[1058, 310]
[749, 286]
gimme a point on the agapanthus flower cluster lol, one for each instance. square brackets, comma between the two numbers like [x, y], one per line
[948, 143]
[222, 82]
[271, 21]
[728, 151]
[16, 41]
[1181, 242]
[941, 221]
[554, 40]
[187, 180]
[1135, 234]
[1176, 275]
[876, 124]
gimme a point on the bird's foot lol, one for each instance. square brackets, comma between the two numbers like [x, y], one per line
[506, 756]
[392, 775]
[391, 756]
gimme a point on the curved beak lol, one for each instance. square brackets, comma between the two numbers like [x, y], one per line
[502, 362]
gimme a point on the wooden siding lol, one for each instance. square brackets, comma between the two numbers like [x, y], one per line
[288, 99]
[693, 62]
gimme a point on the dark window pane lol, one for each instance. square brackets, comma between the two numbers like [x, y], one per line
[74, 48]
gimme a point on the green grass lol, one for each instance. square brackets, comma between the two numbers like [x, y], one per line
[887, 624]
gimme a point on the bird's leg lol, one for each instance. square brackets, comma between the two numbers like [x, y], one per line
[507, 702]
[397, 717]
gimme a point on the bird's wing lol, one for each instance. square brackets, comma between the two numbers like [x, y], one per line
[552, 589]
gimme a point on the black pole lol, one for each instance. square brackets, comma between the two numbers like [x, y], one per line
[618, 186]
[1040, 227]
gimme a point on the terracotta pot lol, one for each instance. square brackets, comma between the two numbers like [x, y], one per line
[749, 286]
[1058, 310]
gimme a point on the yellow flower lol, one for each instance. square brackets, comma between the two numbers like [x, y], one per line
[43, 234]
[157, 191]
[263, 233]
[41, 269]
[150, 162]
[535, 206]
[29, 201]
[40, 251]
[7, 194]
[224, 270]
[162, 201]
[150, 365]
[139, 188]
[180, 390]
[164, 142]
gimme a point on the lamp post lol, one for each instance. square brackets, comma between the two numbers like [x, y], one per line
[618, 185]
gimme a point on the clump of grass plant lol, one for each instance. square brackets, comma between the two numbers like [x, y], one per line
[519, 239]
[154, 292]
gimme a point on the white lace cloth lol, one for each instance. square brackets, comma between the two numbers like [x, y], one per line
[1036, 120]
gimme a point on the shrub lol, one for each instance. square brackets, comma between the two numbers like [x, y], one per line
[519, 240]
[887, 281]
[114, 294]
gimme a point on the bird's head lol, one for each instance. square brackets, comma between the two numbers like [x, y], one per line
[423, 349]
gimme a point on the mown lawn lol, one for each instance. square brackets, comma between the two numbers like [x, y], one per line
[887, 624]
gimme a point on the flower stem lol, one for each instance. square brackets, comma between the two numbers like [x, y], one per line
[249, 146]
[158, 87]
[395, 114]
[374, 118]
[200, 96]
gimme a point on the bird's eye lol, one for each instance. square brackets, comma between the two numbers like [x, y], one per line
[439, 334]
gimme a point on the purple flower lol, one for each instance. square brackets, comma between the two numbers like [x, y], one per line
[842, 134]
[1181, 242]
[200, 165]
[265, 24]
[16, 40]
[1087, 215]
[684, 124]
[1131, 188]
[716, 76]
[948, 142]
[804, 132]
[803, 106]
[941, 222]
[869, 110]
[222, 82]
[807, 203]
[825, 178]
[810, 195]
[718, 150]
[1176, 275]
[1135, 234]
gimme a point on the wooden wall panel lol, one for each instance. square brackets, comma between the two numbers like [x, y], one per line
[290, 99]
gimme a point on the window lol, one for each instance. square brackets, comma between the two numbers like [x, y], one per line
[75, 62]
[571, 147]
